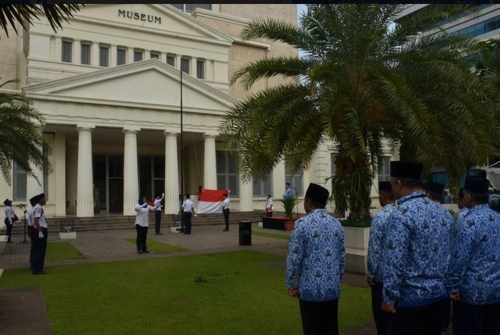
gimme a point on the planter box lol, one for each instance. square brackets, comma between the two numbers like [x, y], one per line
[355, 260]
[68, 236]
[356, 238]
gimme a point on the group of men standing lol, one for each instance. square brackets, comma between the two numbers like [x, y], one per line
[420, 260]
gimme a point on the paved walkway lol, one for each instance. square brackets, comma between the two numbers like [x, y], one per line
[110, 246]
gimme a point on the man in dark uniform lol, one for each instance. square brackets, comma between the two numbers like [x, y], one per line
[41, 235]
[31, 228]
[473, 278]
[415, 254]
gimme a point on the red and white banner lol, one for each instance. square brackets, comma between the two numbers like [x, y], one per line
[210, 201]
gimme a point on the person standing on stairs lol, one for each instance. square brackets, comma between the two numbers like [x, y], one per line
[187, 210]
[225, 210]
[10, 216]
[158, 210]
[142, 223]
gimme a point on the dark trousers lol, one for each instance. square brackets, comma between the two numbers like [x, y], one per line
[476, 319]
[446, 316]
[382, 319]
[9, 228]
[269, 214]
[142, 233]
[319, 318]
[157, 221]
[226, 217]
[422, 320]
[40, 250]
[32, 252]
[187, 222]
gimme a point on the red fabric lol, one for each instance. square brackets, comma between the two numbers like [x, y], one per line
[212, 195]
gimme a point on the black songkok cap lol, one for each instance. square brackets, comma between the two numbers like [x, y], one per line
[6, 202]
[406, 170]
[35, 199]
[433, 187]
[384, 186]
[461, 193]
[41, 196]
[477, 185]
[317, 193]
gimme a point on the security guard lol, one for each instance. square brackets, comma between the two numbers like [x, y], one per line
[41, 235]
[225, 210]
[415, 255]
[158, 208]
[187, 210]
[375, 277]
[31, 228]
[10, 216]
[473, 278]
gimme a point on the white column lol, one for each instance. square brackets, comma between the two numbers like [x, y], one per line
[147, 54]
[210, 167]
[130, 171]
[246, 196]
[112, 55]
[130, 55]
[95, 54]
[60, 172]
[85, 192]
[58, 51]
[72, 177]
[171, 174]
[193, 67]
[77, 52]
[163, 57]
[34, 187]
[278, 185]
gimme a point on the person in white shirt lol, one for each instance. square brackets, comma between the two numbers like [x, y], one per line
[40, 236]
[269, 206]
[31, 228]
[142, 223]
[158, 208]
[9, 218]
[225, 210]
[187, 210]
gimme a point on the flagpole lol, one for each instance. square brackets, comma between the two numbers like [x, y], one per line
[182, 156]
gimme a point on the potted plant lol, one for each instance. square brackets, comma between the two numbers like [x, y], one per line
[289, 205]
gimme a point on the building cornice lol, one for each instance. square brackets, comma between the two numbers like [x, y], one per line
[253, 44]
[220, 16]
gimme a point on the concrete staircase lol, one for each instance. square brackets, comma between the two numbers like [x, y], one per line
[114, 222]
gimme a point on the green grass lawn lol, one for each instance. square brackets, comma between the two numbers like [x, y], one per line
[160, 296]
[159, 247]
[62, 251]
[280, 236]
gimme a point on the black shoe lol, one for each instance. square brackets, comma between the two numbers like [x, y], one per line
[159, 234]
[40, 273]
[226, 230]
[146, 251]
[139, 251]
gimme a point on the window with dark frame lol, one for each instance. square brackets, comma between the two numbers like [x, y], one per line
[67, 51]
[200, 69]
[121, 56]
[85, 53]
[103, 56]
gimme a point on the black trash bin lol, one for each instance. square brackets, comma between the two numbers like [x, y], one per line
[245, 233]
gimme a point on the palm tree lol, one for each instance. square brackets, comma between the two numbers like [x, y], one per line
[24, 14]
[21, 138]
[360, 81]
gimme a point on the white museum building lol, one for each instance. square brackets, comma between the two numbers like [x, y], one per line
[108, 85]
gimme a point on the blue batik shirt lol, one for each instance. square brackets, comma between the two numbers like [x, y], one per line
[375, 245]
[416, 252]
[316, 257]
[474, 268]
[287, 194]
[460, 215]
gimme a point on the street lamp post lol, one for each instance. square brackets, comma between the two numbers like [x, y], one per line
[182, 157]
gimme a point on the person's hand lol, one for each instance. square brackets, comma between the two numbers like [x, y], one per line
[455, 296]
[40, 234]
[163, 194]
[370, 281]
[388, 308]
[294, 291]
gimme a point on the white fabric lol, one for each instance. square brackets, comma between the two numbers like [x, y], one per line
[9, 213]
[142, 218]
[31, 216]
[269, 204]
[158, 204]
[41, 216]
[187, 205]
[493, 176]
[208, 207]
[225, 203]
